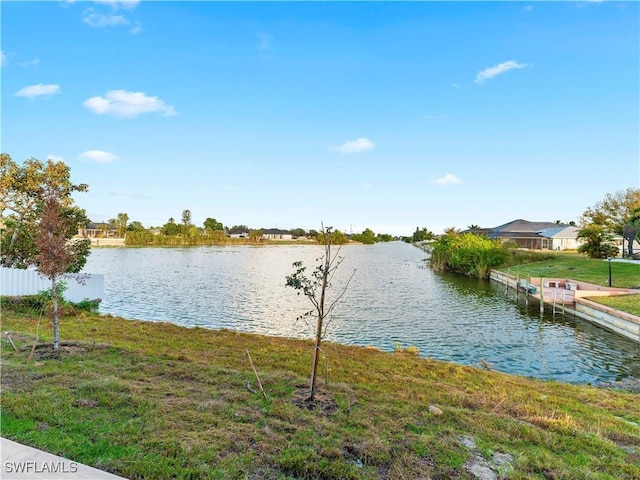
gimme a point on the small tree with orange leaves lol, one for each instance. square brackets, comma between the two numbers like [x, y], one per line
[55, 254]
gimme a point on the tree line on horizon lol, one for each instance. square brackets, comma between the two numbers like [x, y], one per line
[214, 232]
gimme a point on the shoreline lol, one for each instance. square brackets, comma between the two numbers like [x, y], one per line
[121, 243]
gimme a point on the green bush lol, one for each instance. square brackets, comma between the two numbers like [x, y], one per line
[467, 253]
[23, 304]
[86, 305]
[367, 237]
[43, 302]
[597, 243]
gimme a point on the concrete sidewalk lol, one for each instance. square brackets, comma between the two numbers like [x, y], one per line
[20, 462]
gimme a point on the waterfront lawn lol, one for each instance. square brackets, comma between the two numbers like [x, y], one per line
[626, 303]
[579, 267]
[162, 401]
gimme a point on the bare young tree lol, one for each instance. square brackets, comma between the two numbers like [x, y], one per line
[55, 254]
[314, 287]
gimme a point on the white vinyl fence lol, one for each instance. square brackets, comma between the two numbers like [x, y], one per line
[16, 282]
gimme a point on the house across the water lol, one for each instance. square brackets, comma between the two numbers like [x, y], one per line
[97, 230]
[276, 234]
[536, 235]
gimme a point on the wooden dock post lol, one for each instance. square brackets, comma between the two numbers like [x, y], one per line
[541, 295]
[506, 284]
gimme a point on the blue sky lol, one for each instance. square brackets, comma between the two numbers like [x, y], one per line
[356, 114]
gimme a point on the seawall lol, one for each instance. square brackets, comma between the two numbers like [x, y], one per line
[576, 302]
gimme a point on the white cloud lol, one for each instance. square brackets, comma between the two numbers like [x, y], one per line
[3, 59]
[38, 90]
[528, 8]
[98, 156]
[497, 70]
[118, 4]
[448, 179]
[99, 20]
[122, 103]
[354, 146]
[94, 18]
[264, 41]
[55, 158]
[31, 63]
[586, 3]
[137, 28]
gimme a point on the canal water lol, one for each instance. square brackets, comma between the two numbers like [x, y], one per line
[392, 299]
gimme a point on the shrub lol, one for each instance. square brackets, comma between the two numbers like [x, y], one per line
[43, 302]
[467, 253]
[597, 243]
[411, 350]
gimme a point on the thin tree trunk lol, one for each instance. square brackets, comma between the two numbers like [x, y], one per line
[316, 358]
[56, 323]
[316, 353]
[8, 260]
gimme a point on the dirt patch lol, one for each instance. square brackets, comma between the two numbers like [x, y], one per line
[48, 353]
[45, 351]
[85, 403]
[322, 401]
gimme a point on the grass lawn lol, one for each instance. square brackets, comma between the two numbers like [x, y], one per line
[154, 401]
[626, 303]
[579, 267]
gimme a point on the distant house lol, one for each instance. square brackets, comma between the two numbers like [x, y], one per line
[237, 231]
[97, 230]
[537, 235]
[276, 234]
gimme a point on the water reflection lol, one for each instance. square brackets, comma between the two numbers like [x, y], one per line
[392, 299]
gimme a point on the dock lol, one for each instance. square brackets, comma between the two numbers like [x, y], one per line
[572, 296]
